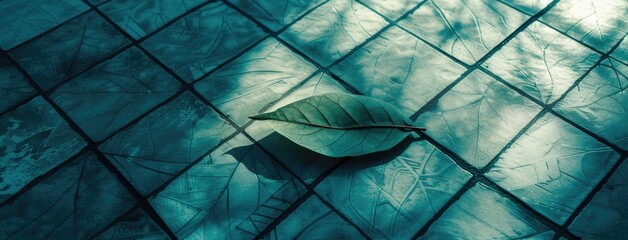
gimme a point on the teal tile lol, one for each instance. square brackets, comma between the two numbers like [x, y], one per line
[140, 18]
[257, 78]
[553, 167]
[202, 40]
[314, 220]
[392, 9]
[14, 86]
[621, 52]
[165, 142]
[233, 193]
[135, 225]
[598, 23]
[307, 165]
[399, 69]
[276, 14]
[33, 140]
[21, 20]
[477, 118]
[467, 30]
[112, 94]
[599, 102]
[393, 194]
[605, 216]
[333, 29]
[530, 7]
[482, 213]
[68, 50]
[73, 203]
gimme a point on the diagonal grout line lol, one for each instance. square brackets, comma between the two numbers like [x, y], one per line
[115, 221]
[341, 215]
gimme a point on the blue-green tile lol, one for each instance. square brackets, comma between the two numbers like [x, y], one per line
[139, 18]
[13, 85]
[307, 164]
[530, 7]
[314, 220]
[21, 20]
[605, 216]
[598, 23]
[233, 193]
[135, 225]
[276, 14]
[477, 118]
[393, 194]
[68, 50]
[202, 40]
[257, 78]
[400, 69]
[542, 62]
[73, 203]
[333, 29]
[599, 102]
[165, 141]
[553, 167]
[465, 29]
[33, 140]
[392, 9]
[482, 213]
[621, 52]
[114, 93]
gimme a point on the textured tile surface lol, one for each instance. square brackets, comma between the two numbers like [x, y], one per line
[392, 194]
[135, 225]
[465, 29]
[260, 76]
[483, 214]
[598, 23]
[547, 62]
[599, 102]
[233, 193]
[73, 203]
[202, 40]
[477, 118]
[139, 18]
[22, 20]
[399, 69]
[553, 167]
[33, 140]
[332, 30]
[530, 7]
[276, 14]
[621, 52]
[115, 92]
[68, 50]
[14, 86]
[165, 142]
[392, 9]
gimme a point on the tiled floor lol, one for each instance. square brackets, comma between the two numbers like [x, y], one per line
[126, 119]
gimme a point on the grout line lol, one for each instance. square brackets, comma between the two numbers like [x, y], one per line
[115, 221]
[341, 215]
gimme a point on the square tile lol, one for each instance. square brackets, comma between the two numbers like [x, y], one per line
[233, 193]
[599, 102]
[392, 9]
[33, 140]
[112, 94]
[14, 87]
[477, 118]
[69, 50]
[605, 216]
[276, 14]
[308, 165]
[467, 30]
[553, 167]
[254, 80]
[598, 23]
[542, 62]
[22, 20]
[73, 203]
[484, 214]
[399, 69]
[202, 40]
[393, 194]
[140, 18]
[333, 29]
[530, 7]
[166, 141]
[135, 225]
[314, 220]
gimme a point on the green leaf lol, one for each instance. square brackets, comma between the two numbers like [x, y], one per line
[339, 124]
